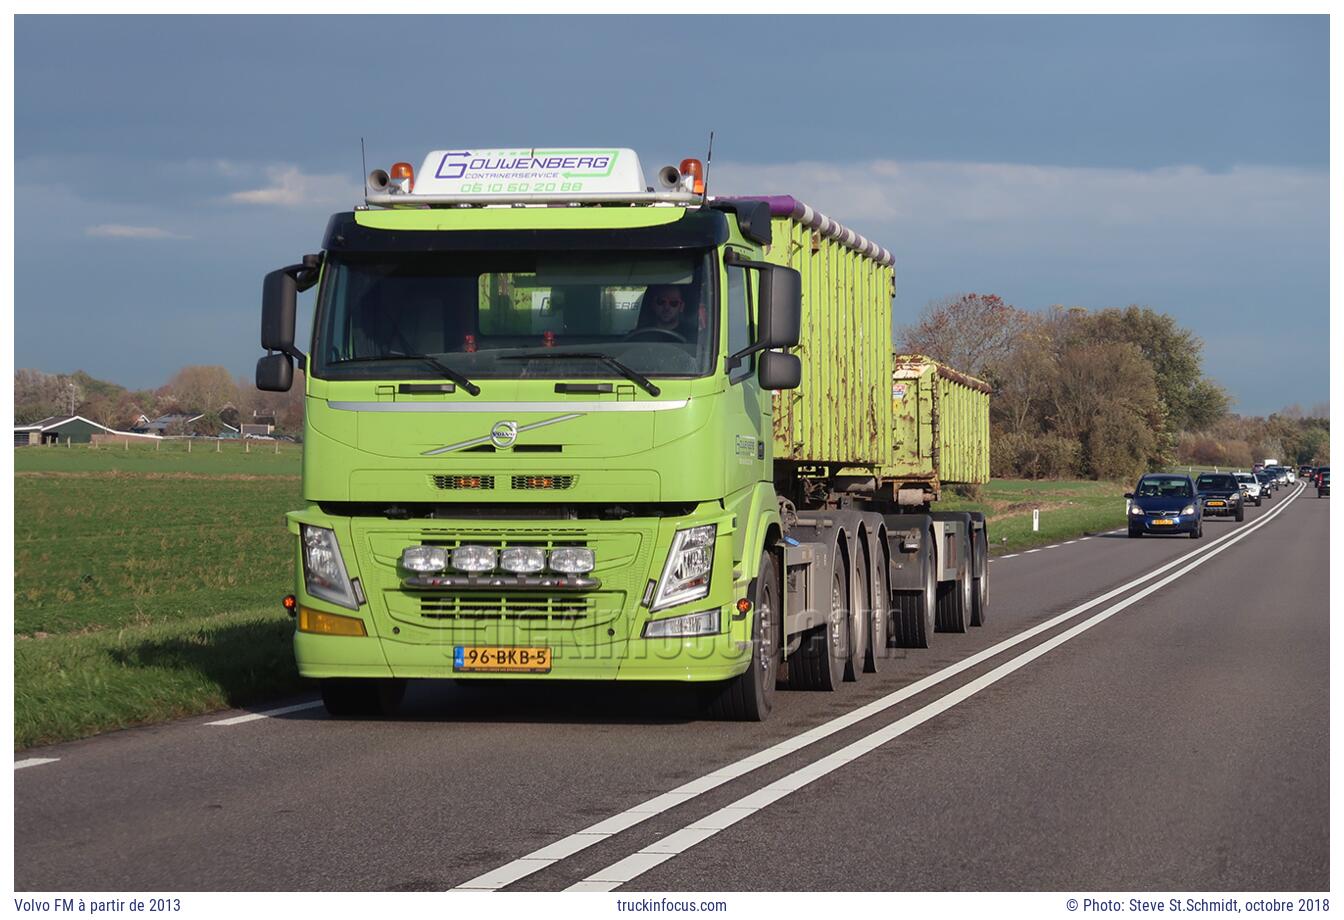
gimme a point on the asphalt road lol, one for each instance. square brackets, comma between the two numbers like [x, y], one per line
[1173, 735]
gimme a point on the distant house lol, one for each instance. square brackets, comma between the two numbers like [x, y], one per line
[261, 426]
[57, 429]
[164, 424]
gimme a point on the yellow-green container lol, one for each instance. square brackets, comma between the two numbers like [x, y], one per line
[841, 414]
[940, 424]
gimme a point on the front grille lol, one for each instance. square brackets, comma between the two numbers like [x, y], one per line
[537, 611]
[463, 482]
[544, 482]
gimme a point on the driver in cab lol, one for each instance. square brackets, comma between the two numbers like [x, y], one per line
[663, 310]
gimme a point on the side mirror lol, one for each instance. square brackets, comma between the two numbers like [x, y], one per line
[275, 373]
[1129, 495]
[279, 303]
[778, 371]
[780, 317]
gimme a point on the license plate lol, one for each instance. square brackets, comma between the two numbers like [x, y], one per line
[1214, 504]
[1161, 521]
[501, 659]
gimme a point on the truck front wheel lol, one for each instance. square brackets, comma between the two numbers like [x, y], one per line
[750, 696]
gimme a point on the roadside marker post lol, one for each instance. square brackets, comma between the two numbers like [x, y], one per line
[1035, 520]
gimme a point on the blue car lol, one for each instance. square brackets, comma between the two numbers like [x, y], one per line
[1165, 503]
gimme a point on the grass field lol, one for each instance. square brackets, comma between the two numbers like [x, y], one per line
[1069, 508]
[147, 583]
[147, 586]
[168, 456]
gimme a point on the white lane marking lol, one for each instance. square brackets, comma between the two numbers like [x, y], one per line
[1033, 550]
[680, 841]
[537, 860]
[1009, 556]
[253, 716]
[34, 762]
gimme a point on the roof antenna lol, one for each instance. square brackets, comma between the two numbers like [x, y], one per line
[708, 156]
[364, 164]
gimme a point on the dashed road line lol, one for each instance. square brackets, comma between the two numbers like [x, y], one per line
[253, 716]
[34, 762]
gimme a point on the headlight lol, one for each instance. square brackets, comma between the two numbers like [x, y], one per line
[689, 563]
[474, 558]
[424, 558]
[1135, 510]
[705, 623]
[323, 568]
[522, 560]
[1188, 509]
[572, 560]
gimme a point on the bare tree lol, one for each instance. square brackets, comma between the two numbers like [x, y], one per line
[974, 333]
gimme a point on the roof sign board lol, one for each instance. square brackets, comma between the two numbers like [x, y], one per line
[525, 172]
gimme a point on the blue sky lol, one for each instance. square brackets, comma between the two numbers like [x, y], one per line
[163, 165]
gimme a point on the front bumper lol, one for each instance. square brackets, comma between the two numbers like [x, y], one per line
[591, 634]
[1180, 523]
[1229, 507]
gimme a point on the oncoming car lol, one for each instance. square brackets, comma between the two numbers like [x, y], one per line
[1323, 485]
[1165, 503]
[1219, 493]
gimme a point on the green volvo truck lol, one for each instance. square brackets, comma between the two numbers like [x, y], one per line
[564, 425]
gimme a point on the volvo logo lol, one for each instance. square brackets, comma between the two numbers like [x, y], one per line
[504, 434]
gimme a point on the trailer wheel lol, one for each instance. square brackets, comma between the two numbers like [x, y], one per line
[954, 601]
[859, 607]
[879, 623]
[354, 696]
[913, 611]
[819, 663]
[980, 586]
[750, 696]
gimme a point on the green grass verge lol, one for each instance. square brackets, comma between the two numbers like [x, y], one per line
[1069, 509]
[147, 587]
[72, 686]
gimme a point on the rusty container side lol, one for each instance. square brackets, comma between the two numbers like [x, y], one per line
[841, 413]
[940, 424]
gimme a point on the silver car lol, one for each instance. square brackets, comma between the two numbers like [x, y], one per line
[1250, 486]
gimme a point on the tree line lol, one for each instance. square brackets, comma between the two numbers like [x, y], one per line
[208, 391]
[1101, 394]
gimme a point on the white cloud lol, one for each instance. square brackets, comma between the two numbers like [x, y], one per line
[289, 187]
[128, 232]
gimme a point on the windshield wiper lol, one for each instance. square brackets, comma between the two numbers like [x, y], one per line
[626, 372]
[434, 362]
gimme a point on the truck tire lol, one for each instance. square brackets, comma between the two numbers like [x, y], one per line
[913, 612]
[954, 602]
[819, 663]
[358, 696]
[750, 696]
[879, 624]
[860, 616]
[980, 586]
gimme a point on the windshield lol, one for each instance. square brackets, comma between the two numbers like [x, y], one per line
[1163, 486]
[1216, 481]
[479, 312]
